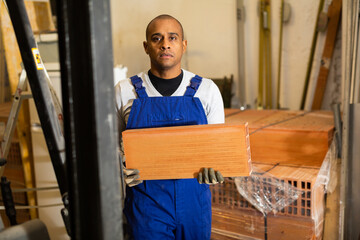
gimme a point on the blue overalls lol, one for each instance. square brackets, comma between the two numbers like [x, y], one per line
[168, 209]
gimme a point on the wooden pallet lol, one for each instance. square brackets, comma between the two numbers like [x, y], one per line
[292, 138]
[181, 152]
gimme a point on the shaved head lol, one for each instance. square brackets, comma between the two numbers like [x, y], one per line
[164, 16]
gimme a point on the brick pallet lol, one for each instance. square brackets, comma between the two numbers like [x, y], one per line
[233, 213]
[290, 146]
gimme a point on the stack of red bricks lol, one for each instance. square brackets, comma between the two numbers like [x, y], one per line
[289, 146]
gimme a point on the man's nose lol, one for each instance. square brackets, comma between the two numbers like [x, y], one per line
[165, 44]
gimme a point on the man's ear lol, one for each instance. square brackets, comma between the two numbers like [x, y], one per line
[184, 42]
[145, 44]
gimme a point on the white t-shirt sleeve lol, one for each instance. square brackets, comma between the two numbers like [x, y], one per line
[216, 113]
[124, 97]
[119, 113]
[211, 99]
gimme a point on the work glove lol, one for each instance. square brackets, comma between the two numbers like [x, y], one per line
[131, 177]
[209, 176]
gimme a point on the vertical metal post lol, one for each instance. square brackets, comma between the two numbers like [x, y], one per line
[346, 8]
[352, 217]
[350, 164]
[355, 43]
[86, 62]
[241, 53]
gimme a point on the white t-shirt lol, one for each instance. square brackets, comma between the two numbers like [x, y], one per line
[208, 93]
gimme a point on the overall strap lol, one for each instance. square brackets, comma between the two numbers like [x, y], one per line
[140, 90]
[194, 85]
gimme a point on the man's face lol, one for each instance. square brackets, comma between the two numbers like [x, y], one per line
[164, 44]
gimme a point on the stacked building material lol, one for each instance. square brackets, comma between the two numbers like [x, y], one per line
[289, 146]
[291, 138]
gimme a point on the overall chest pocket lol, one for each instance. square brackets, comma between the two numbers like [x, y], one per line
[167, 119]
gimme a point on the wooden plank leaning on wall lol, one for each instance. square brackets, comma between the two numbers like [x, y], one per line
[41, 21]
[5, 95]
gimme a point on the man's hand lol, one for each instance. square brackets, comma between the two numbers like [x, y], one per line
[209, 176]
[131, 177]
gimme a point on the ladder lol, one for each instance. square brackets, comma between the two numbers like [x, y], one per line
[46, 101]
[20, 95]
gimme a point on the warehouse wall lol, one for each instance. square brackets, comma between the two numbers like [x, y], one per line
[211, 30]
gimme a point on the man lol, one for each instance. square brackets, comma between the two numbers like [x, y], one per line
[168, 96]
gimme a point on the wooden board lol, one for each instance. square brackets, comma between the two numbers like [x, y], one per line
[181, 152]
[293, 138]
[12, 53]
[334, 14]
[40, 16]
[4, 111]
[332, 213]
[312, 53]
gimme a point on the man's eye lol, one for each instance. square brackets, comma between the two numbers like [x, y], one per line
[156, 39]
[172, 38]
